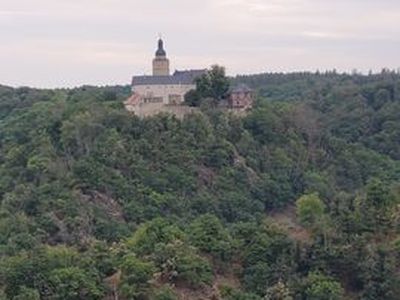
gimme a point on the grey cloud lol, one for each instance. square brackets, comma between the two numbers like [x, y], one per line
[73, 42]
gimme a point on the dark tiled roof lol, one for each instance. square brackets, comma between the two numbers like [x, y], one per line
[179, 77]
[155, 80]
[189, 75]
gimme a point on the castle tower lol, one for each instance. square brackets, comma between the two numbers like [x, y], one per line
[160, 62]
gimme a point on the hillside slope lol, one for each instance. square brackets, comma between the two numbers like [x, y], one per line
[213, 205]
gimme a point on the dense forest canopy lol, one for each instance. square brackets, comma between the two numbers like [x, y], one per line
[298, 199]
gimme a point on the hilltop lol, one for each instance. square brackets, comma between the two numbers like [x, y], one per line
[297, 199]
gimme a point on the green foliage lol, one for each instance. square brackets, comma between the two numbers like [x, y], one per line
[149, 235]
[378, 271]
[193, 98]
[377, 194]
[17, 274]
[214, 84]
[165, 293]
[193, 269]
[89, 192]
[27, 293]
[135, 277]
[278, 292]
[322, 287]
[311, 213]
[268, 258]
[59, 267]
[179, 262]
[310, 209]
[208, 234]
[73, 283]
[229, 293]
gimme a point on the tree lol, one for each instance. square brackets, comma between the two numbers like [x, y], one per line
[180, 201]
[166, 293]
[179, 262]
[279, 291]
[376, 208]
[214, 84]
[192, 98]
[378, 272]
[229, 293]
[27, 293]
[208, 234]
[17, 274]
[321, 287]
[73, 283]
[378, 194]
[194, 270]
[149, 234]
[310, 209]
[311, 212]
[268, 259]
[135, 277]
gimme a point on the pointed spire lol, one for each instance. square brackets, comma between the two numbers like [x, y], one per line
[160, 51]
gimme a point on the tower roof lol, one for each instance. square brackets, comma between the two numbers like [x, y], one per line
[160, 50]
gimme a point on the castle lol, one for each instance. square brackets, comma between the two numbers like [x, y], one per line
[162, 92]
[161, 88]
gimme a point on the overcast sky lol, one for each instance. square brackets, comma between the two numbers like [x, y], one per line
[56, 43]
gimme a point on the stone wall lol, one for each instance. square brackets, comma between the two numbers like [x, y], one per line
[160, 67]
[169, 93]
[150, 109]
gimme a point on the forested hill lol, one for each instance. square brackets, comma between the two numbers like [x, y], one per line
[299, 199]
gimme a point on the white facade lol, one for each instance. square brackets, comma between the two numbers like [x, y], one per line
[162, 93]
